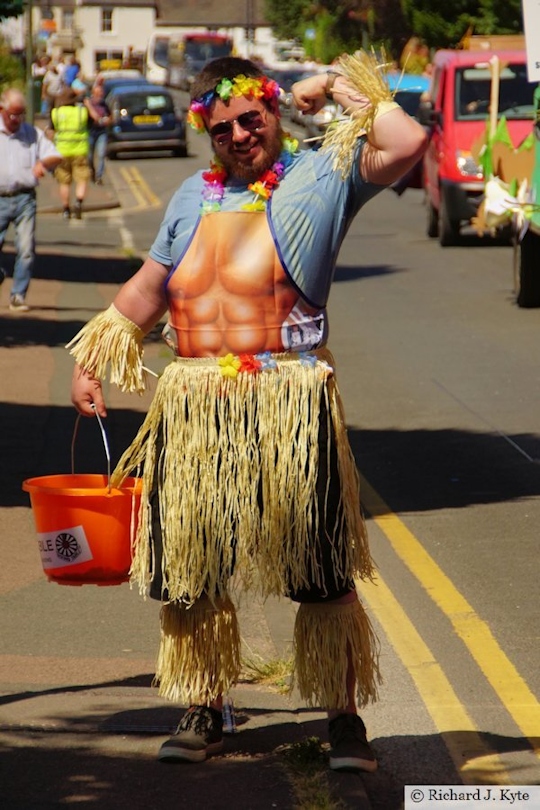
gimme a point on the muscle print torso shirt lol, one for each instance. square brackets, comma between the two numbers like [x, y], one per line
[249, 282]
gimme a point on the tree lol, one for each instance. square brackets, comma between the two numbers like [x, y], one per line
[11, 8]
[345, 25]
[442, 23]
[11, 68]
[287, 17]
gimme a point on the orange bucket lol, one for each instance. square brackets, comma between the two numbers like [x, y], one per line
[83, 528]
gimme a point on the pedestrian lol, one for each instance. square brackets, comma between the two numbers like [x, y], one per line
[51, 86]
[71, 70]
[100, 118]
[26, 154]
[244, 454]
[69, 121]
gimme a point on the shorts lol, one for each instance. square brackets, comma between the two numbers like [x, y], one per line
[329, 497]
[74, 169]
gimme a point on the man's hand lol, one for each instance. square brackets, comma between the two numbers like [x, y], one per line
[86, 392]
[38, 170]
[309, 95]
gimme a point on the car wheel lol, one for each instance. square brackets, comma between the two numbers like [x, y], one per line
[432, 227]
[527, 270]
[112, 156]
[180, 152]
[448, 228]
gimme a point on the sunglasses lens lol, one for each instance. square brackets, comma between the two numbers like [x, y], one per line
[221, 132]
[250, 121]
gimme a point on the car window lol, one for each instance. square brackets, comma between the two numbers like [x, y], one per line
[141, 102]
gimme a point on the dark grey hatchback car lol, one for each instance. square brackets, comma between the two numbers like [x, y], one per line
[145, 118]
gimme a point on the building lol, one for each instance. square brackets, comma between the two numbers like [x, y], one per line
[110, 34]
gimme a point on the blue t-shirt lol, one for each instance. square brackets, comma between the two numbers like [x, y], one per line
[309, 215]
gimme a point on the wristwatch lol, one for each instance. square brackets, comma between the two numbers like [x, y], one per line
[331, 77]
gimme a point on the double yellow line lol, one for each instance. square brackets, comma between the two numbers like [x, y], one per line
[442, 703]
[140, 189]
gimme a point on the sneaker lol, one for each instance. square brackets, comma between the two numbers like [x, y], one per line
[66, 213]
[17, 304]
[199, 734]
[350, 748]
[98, 181]
[78, 210]
[2, 275]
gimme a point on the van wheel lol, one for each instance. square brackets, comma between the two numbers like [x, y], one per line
[180, 152]
[432, 228]
[448, 228]
[527, 270]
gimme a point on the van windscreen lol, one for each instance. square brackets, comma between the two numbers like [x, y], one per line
[473, 92]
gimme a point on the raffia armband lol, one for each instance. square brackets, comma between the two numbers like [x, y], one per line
[368, 76]
[111, 339]
[384, 107]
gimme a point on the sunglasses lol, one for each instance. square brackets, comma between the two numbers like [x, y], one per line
[250, 121]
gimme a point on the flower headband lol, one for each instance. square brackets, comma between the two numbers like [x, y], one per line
[260, 87]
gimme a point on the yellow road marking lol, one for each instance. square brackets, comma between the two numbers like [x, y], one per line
[139, 188]
[474, 760]
[502, 675]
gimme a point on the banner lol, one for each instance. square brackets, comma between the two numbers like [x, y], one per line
[531, 22]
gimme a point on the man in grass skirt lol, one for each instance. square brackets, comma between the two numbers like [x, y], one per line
[244, 456]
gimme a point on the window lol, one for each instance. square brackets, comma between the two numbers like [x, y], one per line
[106, 20]
[107, 60]
[67, 19]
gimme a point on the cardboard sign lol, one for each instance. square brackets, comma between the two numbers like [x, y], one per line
[531, 21]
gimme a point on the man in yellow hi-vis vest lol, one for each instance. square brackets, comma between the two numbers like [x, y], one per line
[70, 123]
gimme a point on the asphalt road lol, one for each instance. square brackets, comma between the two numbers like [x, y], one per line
[438, 370]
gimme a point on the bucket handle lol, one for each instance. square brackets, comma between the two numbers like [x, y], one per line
[105, 445]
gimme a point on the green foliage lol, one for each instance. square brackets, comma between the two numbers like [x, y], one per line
[11, 8]
[11, 69]
[287, 17]
[307, 769]
[346, 25]
[442, 23]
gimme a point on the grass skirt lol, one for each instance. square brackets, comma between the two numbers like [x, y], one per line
[236, 462]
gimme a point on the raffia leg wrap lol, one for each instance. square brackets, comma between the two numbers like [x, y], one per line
[328, 638]
[199, 654]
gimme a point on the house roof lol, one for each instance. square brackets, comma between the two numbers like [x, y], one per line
[123, 3]
[205, 13]
[212, 13]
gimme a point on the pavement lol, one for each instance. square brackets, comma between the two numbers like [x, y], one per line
[80, 722]
[97, 198]
[96, 745]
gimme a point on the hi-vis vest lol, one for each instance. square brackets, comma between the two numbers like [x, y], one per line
[71, 130]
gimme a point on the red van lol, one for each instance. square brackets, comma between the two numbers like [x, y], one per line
[456, 111]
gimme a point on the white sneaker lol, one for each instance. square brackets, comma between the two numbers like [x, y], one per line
[17, 304]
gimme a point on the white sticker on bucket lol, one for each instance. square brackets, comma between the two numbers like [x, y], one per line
[64, 547]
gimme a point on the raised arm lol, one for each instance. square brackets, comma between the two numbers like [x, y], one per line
[395, 141]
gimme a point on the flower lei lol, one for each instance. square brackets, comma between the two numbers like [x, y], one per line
[261, 87]
[262, 188]
[231, 365]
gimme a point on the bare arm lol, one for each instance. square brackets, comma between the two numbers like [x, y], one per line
[142, 300]
[394, 143]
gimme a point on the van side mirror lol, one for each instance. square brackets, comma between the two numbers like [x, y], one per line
[427, 116]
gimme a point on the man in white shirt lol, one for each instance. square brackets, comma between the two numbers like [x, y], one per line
[25, 155]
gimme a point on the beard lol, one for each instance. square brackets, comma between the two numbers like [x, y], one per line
[271, 146]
